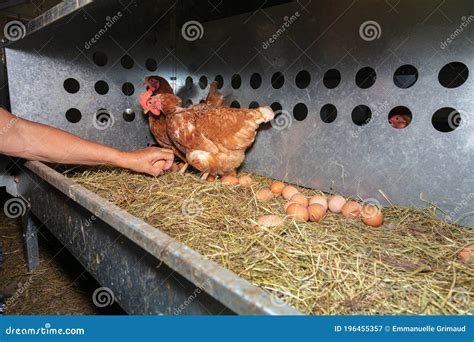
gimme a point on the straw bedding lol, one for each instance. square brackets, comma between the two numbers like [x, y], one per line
[338, 266]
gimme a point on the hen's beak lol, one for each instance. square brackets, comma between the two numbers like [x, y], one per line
[146, 111]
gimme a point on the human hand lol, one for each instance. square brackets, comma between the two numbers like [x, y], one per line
[151, 160]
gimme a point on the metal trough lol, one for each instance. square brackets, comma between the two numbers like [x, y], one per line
[86, 58]
[148, 271]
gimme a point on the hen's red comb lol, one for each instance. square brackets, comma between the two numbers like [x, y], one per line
[143, 99]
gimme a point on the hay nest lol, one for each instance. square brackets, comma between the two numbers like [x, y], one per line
[338, 266]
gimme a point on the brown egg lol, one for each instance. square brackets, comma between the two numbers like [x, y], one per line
[229, 180]
[316, 212]
[264, 194]
[298, 212]
[174, 167]
[336, 203]
[211, 178]
[351, 209]
[299, 198]
[277, 187]
[287, 204]
[288, 191]
[245, 181]
[467, 253]
[371, 215]
[269, 221]
[319, 200]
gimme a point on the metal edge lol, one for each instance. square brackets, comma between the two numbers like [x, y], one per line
[236, 293]
[55, 13]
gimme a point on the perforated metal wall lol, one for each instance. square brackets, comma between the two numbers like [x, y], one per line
[410, 166]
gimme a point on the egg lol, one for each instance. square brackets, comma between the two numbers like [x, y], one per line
[351, 209]
[269, 221]
[211, 178]
[336, 203]
[298, 212]
[287, 204]
[229, 180]
[467, 253]
[371, 215]
[174, 167]
[277, 187]
[288, 192]
[316, 212]
[264, 194]
[319, 200]
[299, 198]
[245, 181]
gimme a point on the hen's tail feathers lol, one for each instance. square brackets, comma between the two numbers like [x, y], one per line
[214, 97]
[267, 113]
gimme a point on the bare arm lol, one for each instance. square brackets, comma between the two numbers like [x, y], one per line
[34, 141]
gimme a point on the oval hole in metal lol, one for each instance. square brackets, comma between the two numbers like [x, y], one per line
[73, 115]
[300, 111]
[332, 78]
[446, 119]
[361, 115]
[253, 104]
[453, 75]
[365, 77]
[203, 82]
[278, 80]
[220, 81]
[328, 113]
[71, 85]
[405, 76]
[400, 117]
[236, 81]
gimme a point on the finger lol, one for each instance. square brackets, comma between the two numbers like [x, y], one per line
[166, 149]
[159, 164]
[167, 152]
[155, 171]
[168, 164]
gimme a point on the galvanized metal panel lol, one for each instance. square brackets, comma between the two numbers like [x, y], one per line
[406, 164]
[338, 157]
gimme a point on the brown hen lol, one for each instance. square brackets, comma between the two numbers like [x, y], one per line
[212, 138]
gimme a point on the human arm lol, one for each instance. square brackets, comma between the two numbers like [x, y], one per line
[34, 141]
